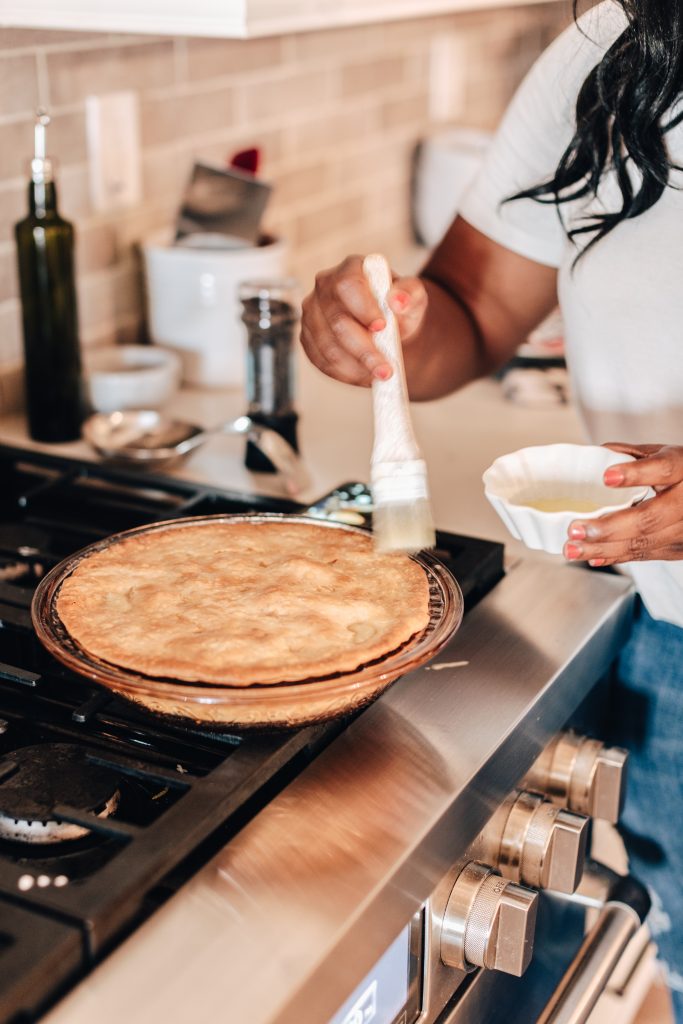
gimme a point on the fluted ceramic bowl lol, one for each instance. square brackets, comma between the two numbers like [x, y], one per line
[539, 491]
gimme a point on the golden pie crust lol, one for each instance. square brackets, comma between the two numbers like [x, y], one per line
[244, 603]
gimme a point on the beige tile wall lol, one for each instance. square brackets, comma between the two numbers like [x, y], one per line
[336, 113]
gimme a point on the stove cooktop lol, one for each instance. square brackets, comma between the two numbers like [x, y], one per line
[104, 812]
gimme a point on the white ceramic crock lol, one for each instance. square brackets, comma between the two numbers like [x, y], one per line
[192, 304]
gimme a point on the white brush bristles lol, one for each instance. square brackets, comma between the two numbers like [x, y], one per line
[403, 526]
[402, 518]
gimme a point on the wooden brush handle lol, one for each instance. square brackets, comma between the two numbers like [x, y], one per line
[394, 437]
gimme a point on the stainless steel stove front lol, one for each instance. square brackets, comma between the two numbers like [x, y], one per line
[460, 959]
[329, 906]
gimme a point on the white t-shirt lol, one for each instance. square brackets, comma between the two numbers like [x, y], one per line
[622, 304]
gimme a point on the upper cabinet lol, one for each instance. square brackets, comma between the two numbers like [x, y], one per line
[236, 18]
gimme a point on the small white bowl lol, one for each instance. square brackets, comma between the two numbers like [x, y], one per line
[130, 377]
[566, 479]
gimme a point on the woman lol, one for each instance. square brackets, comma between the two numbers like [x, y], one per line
[581, 197]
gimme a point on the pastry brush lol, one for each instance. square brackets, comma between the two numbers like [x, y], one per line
[402, 516]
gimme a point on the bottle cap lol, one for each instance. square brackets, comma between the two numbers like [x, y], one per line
[267, 302]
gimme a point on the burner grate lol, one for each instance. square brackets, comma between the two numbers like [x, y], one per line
[183, 792]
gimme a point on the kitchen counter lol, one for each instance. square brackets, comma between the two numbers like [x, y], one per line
[459, 435]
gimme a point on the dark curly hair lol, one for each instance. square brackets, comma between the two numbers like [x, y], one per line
[623, 113]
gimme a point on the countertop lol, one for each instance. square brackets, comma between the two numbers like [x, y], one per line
[459, 435]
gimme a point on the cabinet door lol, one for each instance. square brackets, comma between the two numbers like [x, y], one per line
[236, 18]
[275, 17]
[162, 17]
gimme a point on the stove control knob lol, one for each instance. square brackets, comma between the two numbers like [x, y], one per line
[583, 775]
[489, 922]
[541, 845]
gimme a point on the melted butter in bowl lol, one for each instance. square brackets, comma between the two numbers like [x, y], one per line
[576, 505]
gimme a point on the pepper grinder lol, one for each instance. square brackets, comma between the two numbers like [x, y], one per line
[270, 313]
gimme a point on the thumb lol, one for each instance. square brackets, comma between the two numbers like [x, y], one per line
[407, 299]
[639, 451]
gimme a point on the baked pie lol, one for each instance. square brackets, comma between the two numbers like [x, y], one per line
[243, 603]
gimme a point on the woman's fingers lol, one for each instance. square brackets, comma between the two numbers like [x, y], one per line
[348, 313]
[341, 314]
[324, 350]
[335, 325]
[345, 286]
[661, 466]
[653, 529]
[664, 546]
[348, 337]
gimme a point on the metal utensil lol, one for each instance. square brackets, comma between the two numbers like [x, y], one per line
[148, 439]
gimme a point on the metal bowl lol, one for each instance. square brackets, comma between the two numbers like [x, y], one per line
[279, 705]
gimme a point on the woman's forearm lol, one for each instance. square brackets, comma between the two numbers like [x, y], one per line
[482, 302]
[448, 351]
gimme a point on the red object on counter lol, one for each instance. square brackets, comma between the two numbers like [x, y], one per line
[248, 160]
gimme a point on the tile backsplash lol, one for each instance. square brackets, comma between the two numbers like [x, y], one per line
[336, 114]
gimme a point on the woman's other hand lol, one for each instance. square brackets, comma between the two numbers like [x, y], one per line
[651, 530]
[340, 314]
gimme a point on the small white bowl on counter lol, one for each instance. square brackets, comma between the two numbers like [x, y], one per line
[130, 377]
[539, 491]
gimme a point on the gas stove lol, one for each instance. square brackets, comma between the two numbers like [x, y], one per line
[106, 813]
[419, 869]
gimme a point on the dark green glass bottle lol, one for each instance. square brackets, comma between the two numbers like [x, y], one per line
[45, 253]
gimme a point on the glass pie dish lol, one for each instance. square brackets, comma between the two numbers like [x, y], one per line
[275, 705]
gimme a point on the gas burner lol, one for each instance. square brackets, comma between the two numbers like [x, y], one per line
[20, 553]
[12, 572]
[24, 573]
[33, 780]
[25, 540]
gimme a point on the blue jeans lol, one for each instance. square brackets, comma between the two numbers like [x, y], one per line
[646, 715]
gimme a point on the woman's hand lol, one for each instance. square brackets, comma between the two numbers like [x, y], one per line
[340, 314]
[651, 530]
